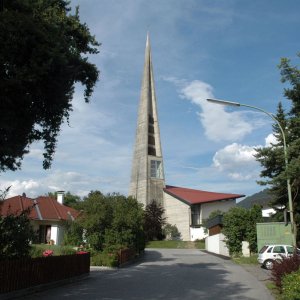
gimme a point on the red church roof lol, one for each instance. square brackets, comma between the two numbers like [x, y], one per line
[191, 196]
[42, 208]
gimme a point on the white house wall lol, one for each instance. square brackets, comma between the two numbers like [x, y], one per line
[178, 213]
[208, 208]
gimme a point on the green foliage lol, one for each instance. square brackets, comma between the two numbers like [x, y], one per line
[104, 259]
[154, 221]
[44, 52]
[36, 250]
[16, 234]
[271, 158]
[73, 234]
[284, 267]
[69, 199]
[127, 224]
[171, 232]
[173, 244]
[242, 260]
[216, 213]
[106, 221]
[239, 224]
[291, 286]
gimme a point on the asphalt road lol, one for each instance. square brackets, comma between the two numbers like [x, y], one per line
[166, 274]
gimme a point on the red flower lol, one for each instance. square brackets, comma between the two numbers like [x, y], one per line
[48, 253]
[81, 252]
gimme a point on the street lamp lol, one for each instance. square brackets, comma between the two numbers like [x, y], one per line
[230, 103]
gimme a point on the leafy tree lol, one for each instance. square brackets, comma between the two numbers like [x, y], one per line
[44, 52]
[171, 232]
[154, 221]
[127, 225]
[16, 234]
[74, 233]
[239, 224]
[69, 199]
[96, 218]
[272, 158]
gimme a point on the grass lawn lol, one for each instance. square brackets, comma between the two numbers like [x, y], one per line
[176, 245]
[252, 260]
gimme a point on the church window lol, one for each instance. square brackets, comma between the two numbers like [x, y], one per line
[195, 210]
[156, 169]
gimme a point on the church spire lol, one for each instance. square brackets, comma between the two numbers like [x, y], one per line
[147, 175]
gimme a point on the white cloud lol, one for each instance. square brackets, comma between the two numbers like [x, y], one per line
[237, 161]
[218, 124]
[270, 139]
[18, 187]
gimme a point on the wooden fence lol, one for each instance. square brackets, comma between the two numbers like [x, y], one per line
[126, 255]
[28, 272]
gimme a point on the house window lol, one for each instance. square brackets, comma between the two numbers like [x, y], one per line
[156, 169]
[195, 211]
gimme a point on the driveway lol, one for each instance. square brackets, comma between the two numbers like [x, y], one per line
[175, 274]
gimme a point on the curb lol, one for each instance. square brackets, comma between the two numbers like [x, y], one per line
[217, 255]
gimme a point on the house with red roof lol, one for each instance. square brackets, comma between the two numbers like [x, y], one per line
[188, 209]
[48, 215]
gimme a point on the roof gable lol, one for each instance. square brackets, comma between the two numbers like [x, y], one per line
[42, 208]
[191, 196]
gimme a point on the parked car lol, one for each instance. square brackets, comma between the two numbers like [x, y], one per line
[270, 253]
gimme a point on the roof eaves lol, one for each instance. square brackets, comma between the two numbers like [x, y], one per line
[177, 197]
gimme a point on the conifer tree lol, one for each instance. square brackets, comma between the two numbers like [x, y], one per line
[272, 158]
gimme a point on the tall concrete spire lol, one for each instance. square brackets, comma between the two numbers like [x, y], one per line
[147, 175]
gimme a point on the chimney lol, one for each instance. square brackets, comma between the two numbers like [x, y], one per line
[60, 196]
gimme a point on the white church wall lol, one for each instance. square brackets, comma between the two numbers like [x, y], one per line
[178, 213]
[198, 233]
[208, 208]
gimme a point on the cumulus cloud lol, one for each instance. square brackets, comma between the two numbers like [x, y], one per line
[270, 140]
[218, 124]
[237, 161]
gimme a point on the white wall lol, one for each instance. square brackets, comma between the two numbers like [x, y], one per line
[178, 213]
[207, 208]
[216, 244]
[198, 233]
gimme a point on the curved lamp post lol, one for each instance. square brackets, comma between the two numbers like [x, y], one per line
[289, 190]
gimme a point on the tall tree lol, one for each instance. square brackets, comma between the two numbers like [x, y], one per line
[239, 224]
[271, 158]
[154, 221]
[44, 52]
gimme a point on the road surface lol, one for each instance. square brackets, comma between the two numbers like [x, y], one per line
[177, 274]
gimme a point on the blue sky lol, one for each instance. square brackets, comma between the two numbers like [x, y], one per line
[200, 49]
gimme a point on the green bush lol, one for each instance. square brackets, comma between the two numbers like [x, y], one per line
[36, 250]
[171, 232]
[291, 286]
[104, 259]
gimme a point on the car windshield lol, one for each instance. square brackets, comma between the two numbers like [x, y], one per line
[290, 249]
[263, 249]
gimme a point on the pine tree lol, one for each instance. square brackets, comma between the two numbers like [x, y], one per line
[271, 158]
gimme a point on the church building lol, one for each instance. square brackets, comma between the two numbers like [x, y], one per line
[185, 208]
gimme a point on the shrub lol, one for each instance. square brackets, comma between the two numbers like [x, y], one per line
[38, 249]
[104, 259]
[16, 234]
[171, 232]
[284, 267]
[291, 286]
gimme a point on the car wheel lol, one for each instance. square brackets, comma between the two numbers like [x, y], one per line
[269, 264]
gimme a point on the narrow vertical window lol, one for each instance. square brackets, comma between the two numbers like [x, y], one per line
[156, 169]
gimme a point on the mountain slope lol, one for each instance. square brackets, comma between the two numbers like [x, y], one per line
[262, 198]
